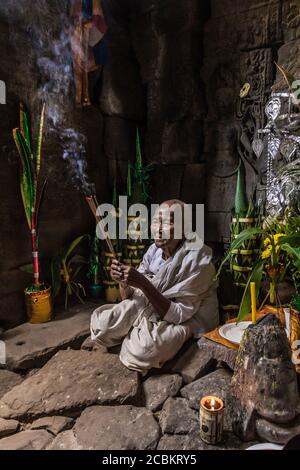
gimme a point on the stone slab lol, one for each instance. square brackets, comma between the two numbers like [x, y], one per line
[53, 424]
[26, 440]
[117, 428]
[30, 346]
[8, 380]
[158, 388]
[69, 382]
[194, 363]
[177, 417]
[8, 427]
[218, 352]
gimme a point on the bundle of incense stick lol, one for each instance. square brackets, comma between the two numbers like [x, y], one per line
[93, 204]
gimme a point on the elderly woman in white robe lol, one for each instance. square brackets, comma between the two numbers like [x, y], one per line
[170, 298]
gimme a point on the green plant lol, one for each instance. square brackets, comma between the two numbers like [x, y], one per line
[96, 272]
[138, 179]
[65, 268]
[32, 192]
[278, 257]
[295, 303]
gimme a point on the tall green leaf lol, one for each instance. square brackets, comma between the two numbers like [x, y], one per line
[241, 201]
[39, 141]
[294, 252]
[139, 160]
[74, 245]
[25, 127]
[238, 242]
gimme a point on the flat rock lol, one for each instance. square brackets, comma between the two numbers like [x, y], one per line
[53, 424]
[26, 440]
[218, 352]
[193, 442]
[278, 434]
[90, 345]
[70, 381]
[218, 384]
[160, 387]
[194, 363]
[117, 428]
[8, 380]
[30, 346]
[177, 417]
[8, 427]
[64, 441]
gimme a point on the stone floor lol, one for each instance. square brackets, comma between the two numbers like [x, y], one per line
[60, 392]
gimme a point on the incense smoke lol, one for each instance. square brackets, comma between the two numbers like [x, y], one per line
[51, 51]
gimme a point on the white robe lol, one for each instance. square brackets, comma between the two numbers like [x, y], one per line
[187, 279]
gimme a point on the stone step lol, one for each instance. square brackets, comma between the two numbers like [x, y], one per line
[30, 346]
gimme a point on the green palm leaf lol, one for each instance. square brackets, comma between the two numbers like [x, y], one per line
[74, 245]
[294, 252]
[238, 242]
[39, 142]
[24, 127]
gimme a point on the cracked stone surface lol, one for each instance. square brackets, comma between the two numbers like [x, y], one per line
[31, 346]
[27, 440]
[117, 428]
[218, 352]
[8, 380]
[278, 434]
[53, 424]
[158, 388]
[177, 417]
[64, 441]
[71, 381]
[8, 427]
[194, 363]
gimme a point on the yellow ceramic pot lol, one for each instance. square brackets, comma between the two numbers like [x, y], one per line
[39, 306]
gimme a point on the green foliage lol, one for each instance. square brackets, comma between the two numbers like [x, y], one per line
[30, 163]
[65, 268]
[95, 273]
[138, 179]
[241, 201]
[278, 256]
[295, 304]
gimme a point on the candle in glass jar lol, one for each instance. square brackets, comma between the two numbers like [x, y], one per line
[211, 419]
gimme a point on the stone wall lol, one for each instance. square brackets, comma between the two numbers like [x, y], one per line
[176, 68]
[242, 40]
[27, 33]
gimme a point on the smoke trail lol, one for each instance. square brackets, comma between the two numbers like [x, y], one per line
[50, 44]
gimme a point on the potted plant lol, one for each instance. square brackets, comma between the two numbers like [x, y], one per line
[38, 296]
[65, 268]
[95, 271]
[138, 187]
[112, 290]
[278, 258]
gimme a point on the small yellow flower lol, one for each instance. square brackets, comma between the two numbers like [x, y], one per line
[271, 242]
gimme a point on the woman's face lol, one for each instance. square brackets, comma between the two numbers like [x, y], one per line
[163, 228]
